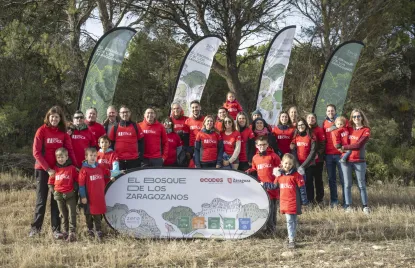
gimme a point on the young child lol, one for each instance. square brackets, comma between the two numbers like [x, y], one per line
[289, 182]
[232, 105]
[107, 157]
[63, 184]
[340, 137]
[263, 164]
[92, 181]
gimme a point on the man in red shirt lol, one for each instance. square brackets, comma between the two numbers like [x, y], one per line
[194, 124]
[96, 128]
[127, 141]
[222, 112]
[332, 157]
[155, 138]
[81, 137]
[178, 118]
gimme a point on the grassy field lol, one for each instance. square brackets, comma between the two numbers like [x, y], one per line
[326, 238]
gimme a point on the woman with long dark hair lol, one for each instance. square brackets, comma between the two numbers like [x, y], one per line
[284, 132]
[231, 142]
[247, 141]
[49, 137]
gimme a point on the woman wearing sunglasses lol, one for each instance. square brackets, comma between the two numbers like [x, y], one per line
[303, 147]
[231, 142]
[359, 134]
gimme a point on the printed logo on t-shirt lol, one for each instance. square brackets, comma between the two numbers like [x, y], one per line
[286, 186]
[103, 161]
[232, 110]
[62, 177]
[78, 137]
[170, 140]
[149, 131]
[54, 140]
[344, 134]
[95, 177]
[301, 143]
[194, 127]
[125, 134]
[283, 137]
[262, 166]
[209, 141]
[351, 137]
[228, 142]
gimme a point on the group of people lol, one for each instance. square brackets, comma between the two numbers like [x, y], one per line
[227, 140]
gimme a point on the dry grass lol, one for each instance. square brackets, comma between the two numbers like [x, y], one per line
[327, 238]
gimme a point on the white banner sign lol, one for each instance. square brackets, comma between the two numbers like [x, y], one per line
[186, 203]
[269, 100]
[195, 70]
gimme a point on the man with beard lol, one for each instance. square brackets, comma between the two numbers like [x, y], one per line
[194, 124]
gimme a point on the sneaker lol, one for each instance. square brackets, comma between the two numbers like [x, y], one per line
[65, 235]
[58, 235]
[90, 233]
[366, 210]
[34, 232]
[71, 237]
[291, 245]
[342, 161]
[348, 209]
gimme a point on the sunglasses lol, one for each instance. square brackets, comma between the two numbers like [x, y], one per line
[167, 123]
[302, 125]
[228, 122]
[78, 117]
[124, 112]
[356, 116]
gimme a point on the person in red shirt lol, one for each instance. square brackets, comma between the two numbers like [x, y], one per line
[222, 113]
[247, 141]
[81, 136]
[303, 148]
[49, 137]
[175, 144]
[231, 142]
[284, 132]
[92, 181]
[107, 158]
[340, 137]
[96, 128]
[232, 105]
[208, 146]
[261, 128]
[293, 113]
[359, 134]
[332, 157]
[127, 140]
[194, 123]
[289, 181]
[155, 138]
[64, 185]
[263, 164]
[179, 119]
[316, 172]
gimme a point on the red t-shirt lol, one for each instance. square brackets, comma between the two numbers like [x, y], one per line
[155, 138]
[330, 149]
[246, 135]
[82, 139]
[97, 130]
[229, 141]
[46, 141]
[303, 146]
[233, 108]
[218, 125]
[106, 159]
[358, 150]
[95, 180]
[64, 179]
[284, 138]
[174, 141]
[194, 126]
[264, 166]
[179, 124]
[288, 192]
[126, 139]
[318, 132]
[208, 145]
[340, 136]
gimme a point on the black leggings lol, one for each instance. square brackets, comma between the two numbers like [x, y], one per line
[314, 179]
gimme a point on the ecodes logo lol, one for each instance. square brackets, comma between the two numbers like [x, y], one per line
[211, 180]
[235, 180]
[132, 220]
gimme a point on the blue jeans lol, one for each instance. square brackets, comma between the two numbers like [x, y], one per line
[360, 170]
[332, 161]
[291, 226]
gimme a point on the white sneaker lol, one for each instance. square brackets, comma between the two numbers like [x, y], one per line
[348, 210]
[366, 210]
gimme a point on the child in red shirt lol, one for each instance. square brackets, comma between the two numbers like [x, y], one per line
[263, 164]
[340, 137]
[92, 181]
[63, 184]
[232, 105]
[107, 157]
[290, 182]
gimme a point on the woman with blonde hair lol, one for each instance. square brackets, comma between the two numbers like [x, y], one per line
[359, 134]
[208, 145]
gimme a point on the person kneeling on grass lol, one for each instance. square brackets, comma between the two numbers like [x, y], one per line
[290, 182]
[63, 184]
[92, 181]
